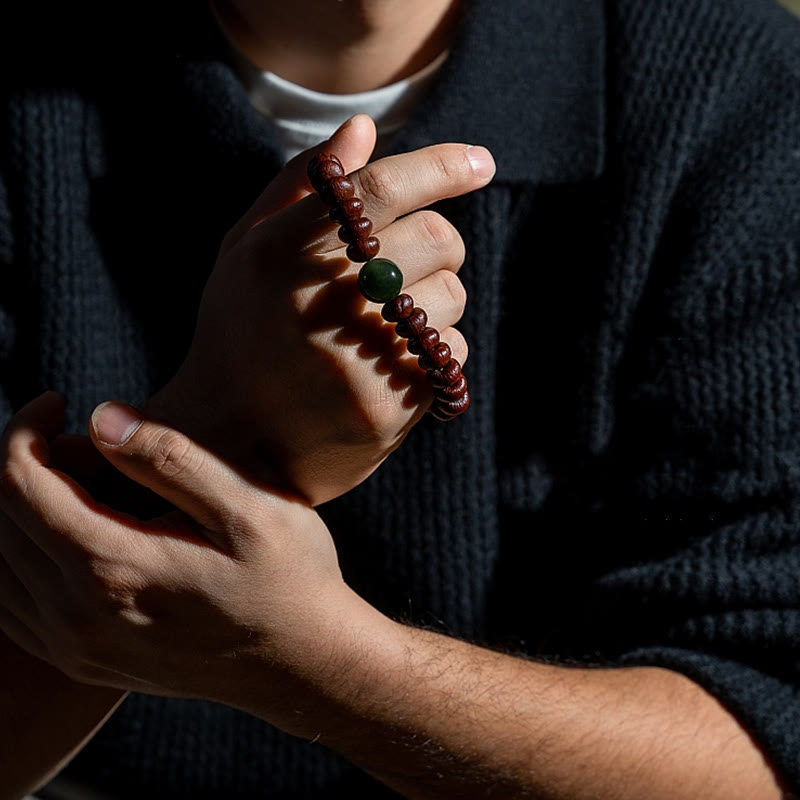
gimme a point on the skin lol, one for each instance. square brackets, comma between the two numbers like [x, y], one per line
[246, 581]
[340, 46]
[89, 609]
[368, 390]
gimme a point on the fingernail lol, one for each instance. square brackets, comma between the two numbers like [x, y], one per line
[115, 423]
[481, 160]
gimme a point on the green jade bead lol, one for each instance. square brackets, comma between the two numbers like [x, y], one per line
[380, 280]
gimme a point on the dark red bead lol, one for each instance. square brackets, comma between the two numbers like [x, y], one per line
[437, 358]
[398, 309]
[452, 392]
[445, 411]
[454, 407]
[413, 324]
[351, 208]
[355, 229]
[423, 342]
[446, 375]
[337, 190]
[363, 249]
[322, 168]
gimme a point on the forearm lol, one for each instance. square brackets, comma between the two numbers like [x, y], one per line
[46, 719]
[433, 717]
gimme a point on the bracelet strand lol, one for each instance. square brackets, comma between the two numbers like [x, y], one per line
[380, 280]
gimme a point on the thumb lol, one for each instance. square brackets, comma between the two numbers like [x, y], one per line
[170, 464]
[353, 143]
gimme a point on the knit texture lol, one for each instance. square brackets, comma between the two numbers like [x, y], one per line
[638, 261]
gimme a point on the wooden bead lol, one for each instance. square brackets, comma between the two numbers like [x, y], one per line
[423, 342]
[355, 229]
[446, 375]
[413, 324]
[351, 208]
[446, 411]
[322, 168]
[363, 249]
[337, 190]
[452, 392]
[437, 358]
[398, 309]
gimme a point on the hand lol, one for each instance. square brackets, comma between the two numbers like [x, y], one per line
[291, 372]
[241, 582]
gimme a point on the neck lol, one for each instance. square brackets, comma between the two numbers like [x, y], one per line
[339, 46]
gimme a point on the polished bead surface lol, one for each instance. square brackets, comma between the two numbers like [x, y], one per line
[413, 324]
[453, 392]
[337, 190]
[446, 375]
[363, 249]
[352, 208]
[322, 168]
[355, 229]
[423, 342]
[445, 411]
[380, 280]
[398, 309]
[437, 358]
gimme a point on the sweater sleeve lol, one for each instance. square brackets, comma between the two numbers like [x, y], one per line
[706, 499]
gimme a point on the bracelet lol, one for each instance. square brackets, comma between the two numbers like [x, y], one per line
[380, 281]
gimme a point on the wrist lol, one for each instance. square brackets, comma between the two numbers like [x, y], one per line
[329, 662]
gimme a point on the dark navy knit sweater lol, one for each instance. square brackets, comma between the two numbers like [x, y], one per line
[624, 489]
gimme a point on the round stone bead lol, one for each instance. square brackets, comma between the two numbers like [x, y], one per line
[380, 280]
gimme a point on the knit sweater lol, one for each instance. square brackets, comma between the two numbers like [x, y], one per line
[624, 489]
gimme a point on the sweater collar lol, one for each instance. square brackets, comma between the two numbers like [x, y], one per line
[536, 100]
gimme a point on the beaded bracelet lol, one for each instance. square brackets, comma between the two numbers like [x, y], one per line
[380, 280]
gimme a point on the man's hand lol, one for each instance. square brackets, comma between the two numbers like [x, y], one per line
[239, 599]
[242, 583]
[291, 372]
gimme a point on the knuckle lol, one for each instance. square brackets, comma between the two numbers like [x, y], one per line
[452, 288]
[435, 228]
[111, 586]
[378, 186]
[451, 166]
[107, 595]
[439, 235]
[173, 455]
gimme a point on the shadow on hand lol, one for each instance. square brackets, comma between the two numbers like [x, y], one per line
[339, 306]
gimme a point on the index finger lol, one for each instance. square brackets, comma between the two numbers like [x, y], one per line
[389, 188]
[397, 185]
